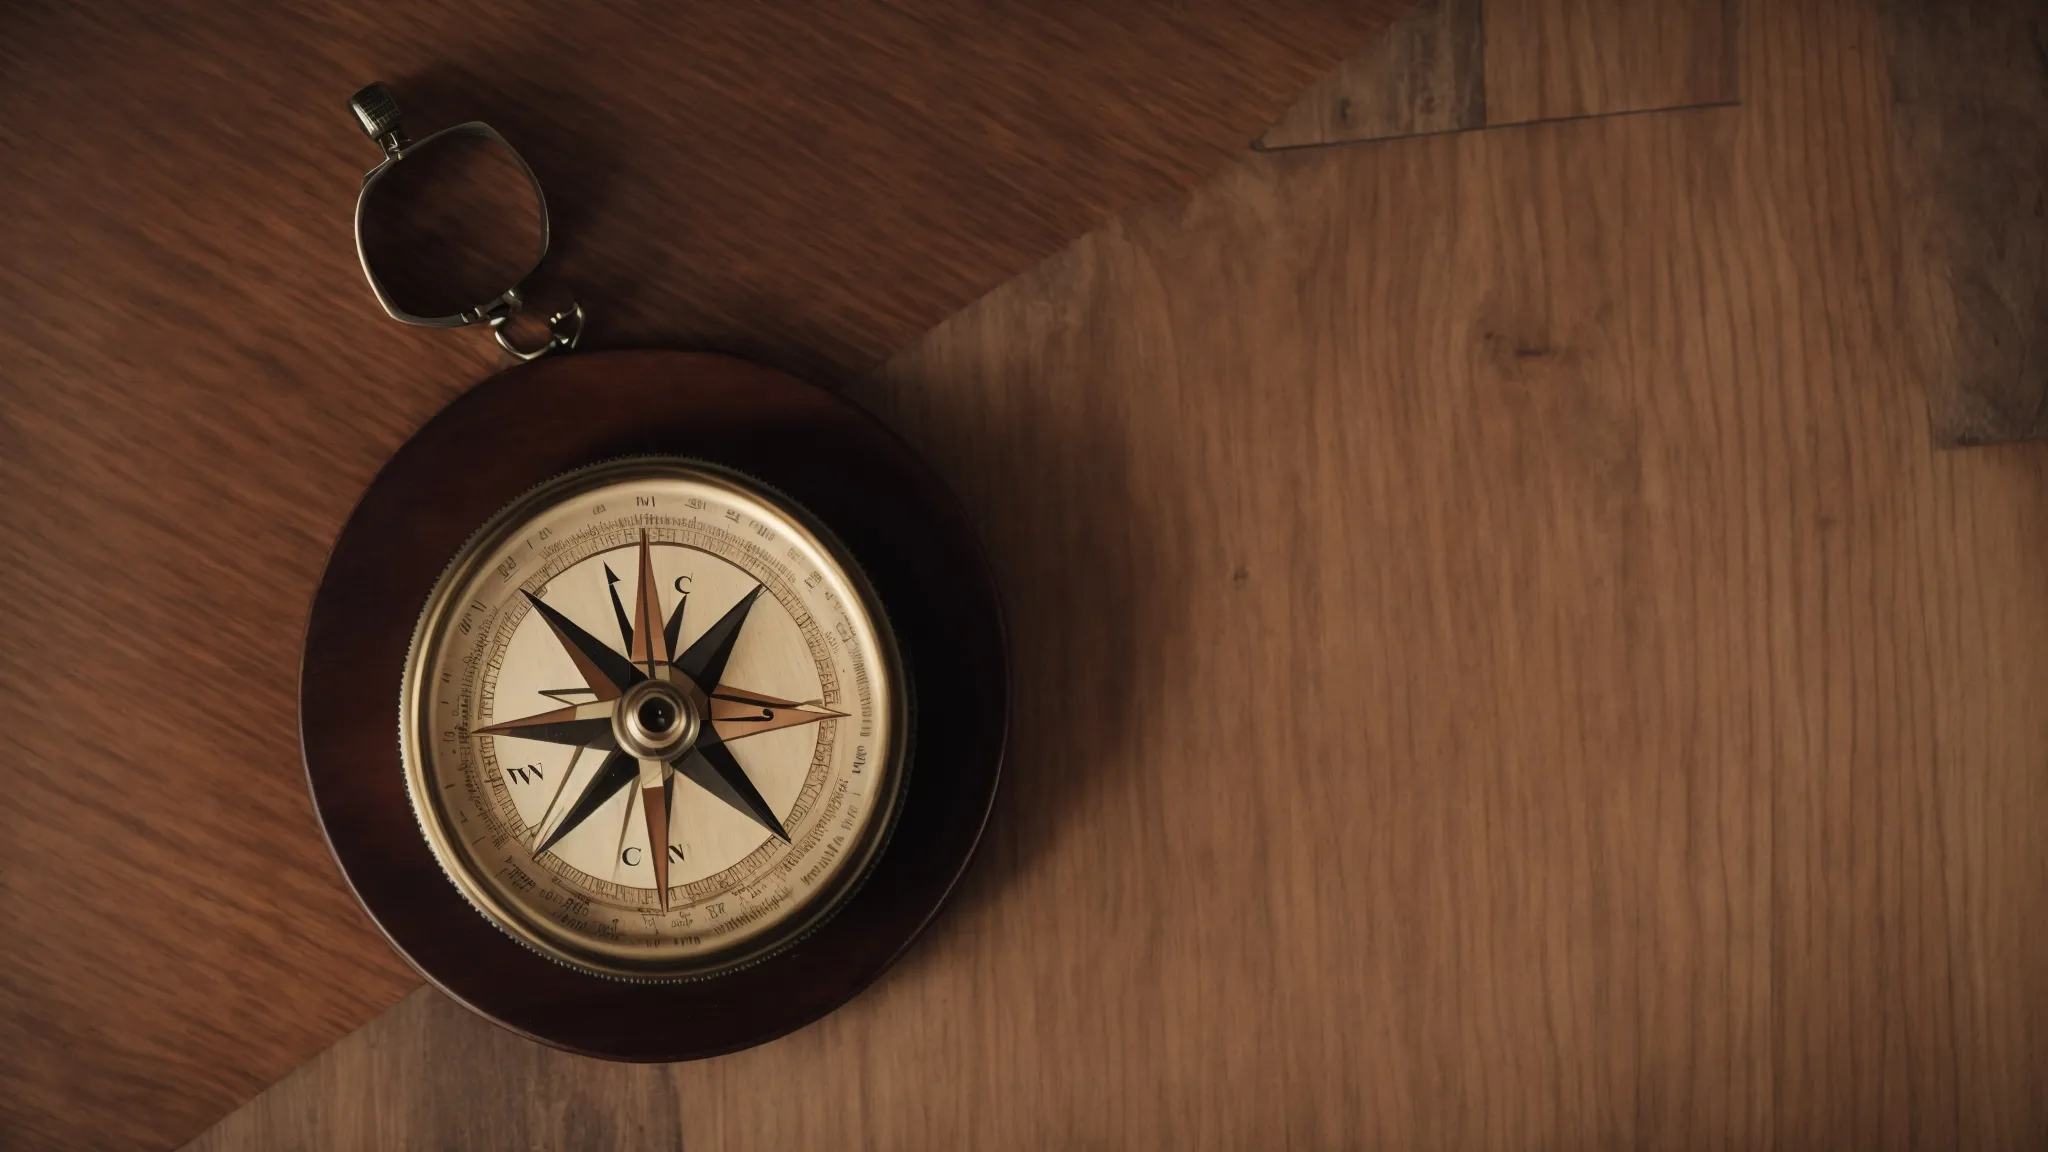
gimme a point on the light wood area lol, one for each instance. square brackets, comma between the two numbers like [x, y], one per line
[433, 1076]
[1499, 665]
[1970, 146]
[196, 384]
[1427, 74]
[1453, 65]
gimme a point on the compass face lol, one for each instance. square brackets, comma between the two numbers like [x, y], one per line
[652, 721]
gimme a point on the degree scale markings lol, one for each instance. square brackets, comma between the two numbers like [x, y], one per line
[609, 536]
[750, 888]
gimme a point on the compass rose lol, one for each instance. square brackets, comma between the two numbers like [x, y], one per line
[655, 713]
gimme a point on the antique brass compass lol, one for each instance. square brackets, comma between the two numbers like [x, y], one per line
[652, 701]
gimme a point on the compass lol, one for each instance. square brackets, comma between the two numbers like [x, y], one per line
[666, 792]
[653, 701]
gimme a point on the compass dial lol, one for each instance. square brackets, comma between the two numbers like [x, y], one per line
[651, 721]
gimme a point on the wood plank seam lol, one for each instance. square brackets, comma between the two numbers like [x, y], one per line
[1469, 65]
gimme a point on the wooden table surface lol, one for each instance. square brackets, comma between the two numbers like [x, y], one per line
[197, 385]
[1543, 688]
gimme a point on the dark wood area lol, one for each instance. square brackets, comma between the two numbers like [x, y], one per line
[197, 386]
[1455, 65]
[1970, 146]
[1542, 687]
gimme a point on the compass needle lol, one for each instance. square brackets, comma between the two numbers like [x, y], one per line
[619, 849]
[649, 646]
[617, 771]
[560, 784]
[737, 713]
[577, 724]
[605, 671]
[675, 619]
[710, 765]
[654, 801]
[705, 660]
[611, 585]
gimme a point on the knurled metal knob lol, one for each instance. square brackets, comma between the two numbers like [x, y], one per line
[376, 110]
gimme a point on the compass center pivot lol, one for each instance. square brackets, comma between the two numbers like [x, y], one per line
[656, 720]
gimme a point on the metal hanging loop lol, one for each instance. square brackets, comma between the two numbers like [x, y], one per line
[376, 112]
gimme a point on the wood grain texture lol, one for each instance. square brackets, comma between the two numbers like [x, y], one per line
[1547, 60]
[431, 1075]
[1541, 689]
[197, 385]
[1427, 74]
[1455, 65]
[1970, 147]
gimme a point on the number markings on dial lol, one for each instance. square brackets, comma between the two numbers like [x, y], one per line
[801, 826]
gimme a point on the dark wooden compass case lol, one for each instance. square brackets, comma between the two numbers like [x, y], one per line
[537, 421]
